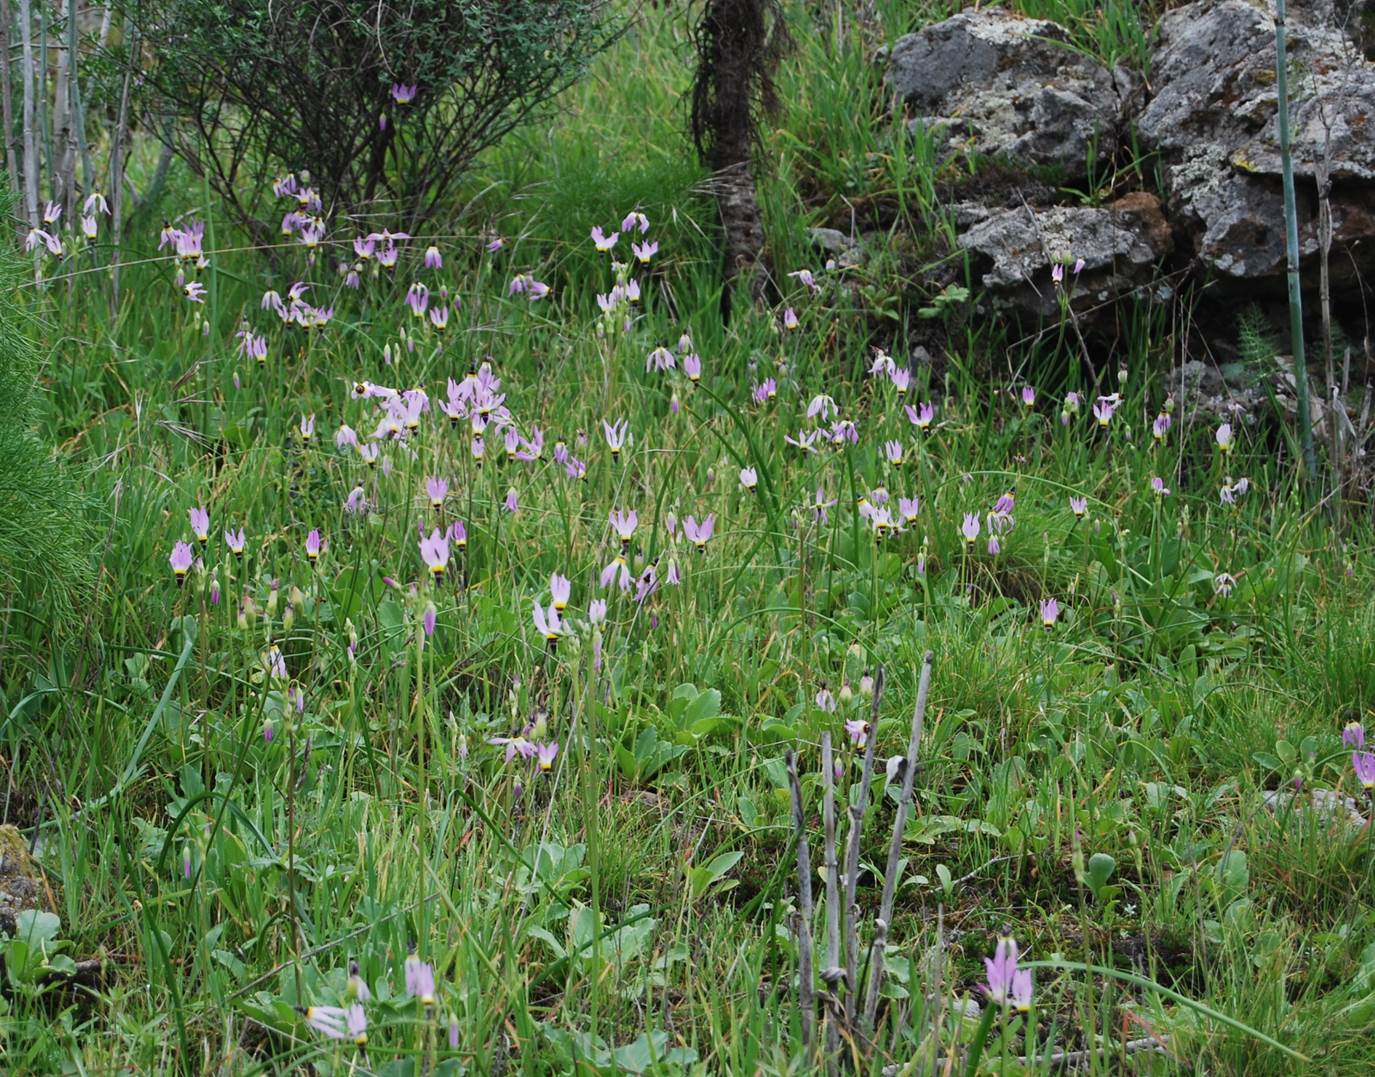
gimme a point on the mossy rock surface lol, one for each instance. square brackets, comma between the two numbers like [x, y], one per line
[22, 882]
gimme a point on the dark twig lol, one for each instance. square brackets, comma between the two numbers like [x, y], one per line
[890, 874]
[857, 811]
[805, 988]
[875, 973]
[1054, 1060]
[969, 875]
[831, 972]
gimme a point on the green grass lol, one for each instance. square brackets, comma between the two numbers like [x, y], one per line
[598, 918]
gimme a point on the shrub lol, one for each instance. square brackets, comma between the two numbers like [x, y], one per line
[254, 87]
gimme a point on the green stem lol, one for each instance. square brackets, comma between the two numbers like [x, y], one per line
[1291, 248]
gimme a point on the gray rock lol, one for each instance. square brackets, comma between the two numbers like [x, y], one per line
[1355, 18]
[1214, 80]
[830, 240]
[1011, 87]
[1014, 252]
[1324, 803]
[1208, 394]
[967, 214]
[835, 243]
[1214, 119]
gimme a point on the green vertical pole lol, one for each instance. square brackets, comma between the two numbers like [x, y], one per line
[1291, 245]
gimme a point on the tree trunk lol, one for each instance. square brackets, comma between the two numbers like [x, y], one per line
[742, 233]
[739, 45]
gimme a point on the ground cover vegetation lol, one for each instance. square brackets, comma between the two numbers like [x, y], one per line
[403, 673]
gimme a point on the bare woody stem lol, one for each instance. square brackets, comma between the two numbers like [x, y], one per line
[890, 874]
[828, 815]
[876, 973]
[857, 811]
[805, 987]
[1057, 1059]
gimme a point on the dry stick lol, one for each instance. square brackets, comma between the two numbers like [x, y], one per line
[1322, 176]
[1055, 1060]
[830, 971]
[805, 987]
[967, 876]
[875, 972]
[890, 874]
[857, 810]
[936, 997]
[1362, 430]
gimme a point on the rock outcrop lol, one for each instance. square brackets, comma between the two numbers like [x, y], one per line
[1117, 249]
[1011, 88]
[1213, 118]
